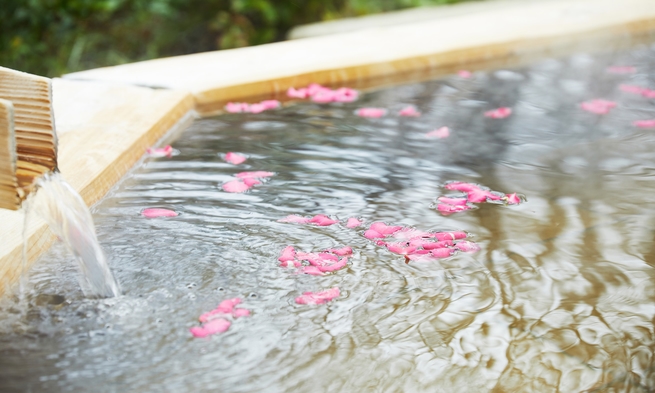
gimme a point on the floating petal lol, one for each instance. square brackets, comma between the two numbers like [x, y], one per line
[318, 297]
[499, 113]
[467, 246]
[450, 235]
[236, 186]
[409, 111]
[254, 175]
[513, 199]
[322, 220]
[288, 254]
[154, 212]
[453, 201]
[235, 158]
[353, 222]
[166, 151]
[446, 208]
[441, 133]
[599, 107]
[461, 186]
[212, 327]
[295, 219]
[644, 123]
[384, 229]
[371, 112]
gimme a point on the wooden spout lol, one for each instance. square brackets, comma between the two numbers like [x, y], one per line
[28, 141]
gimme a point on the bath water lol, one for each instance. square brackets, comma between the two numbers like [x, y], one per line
[560, 297]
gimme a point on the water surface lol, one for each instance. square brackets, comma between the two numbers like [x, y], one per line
[560, 297]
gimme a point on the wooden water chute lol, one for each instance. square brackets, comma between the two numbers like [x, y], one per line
[28, 141]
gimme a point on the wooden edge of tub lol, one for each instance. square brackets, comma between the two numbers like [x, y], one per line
[512, 35]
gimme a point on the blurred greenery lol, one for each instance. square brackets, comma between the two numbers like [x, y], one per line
[53, 37]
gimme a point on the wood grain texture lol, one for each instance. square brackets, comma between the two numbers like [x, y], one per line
[513, 34]
[36, 139]
[103, 130]
[9, 196]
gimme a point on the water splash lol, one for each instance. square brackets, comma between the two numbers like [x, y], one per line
[69, 218]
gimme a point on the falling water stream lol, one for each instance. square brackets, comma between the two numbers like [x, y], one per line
[69, 218]
[559, 298]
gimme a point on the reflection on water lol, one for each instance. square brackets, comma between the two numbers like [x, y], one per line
[560, 298]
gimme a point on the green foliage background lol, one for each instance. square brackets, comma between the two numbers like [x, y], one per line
[53, 37]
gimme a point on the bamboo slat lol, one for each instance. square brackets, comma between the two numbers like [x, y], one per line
[9, 196]
[35, 136]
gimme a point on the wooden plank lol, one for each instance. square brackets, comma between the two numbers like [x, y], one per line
[103, 130]
[36, 139]
[9, 197]
[512, 34]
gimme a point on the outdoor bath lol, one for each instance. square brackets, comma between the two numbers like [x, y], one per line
[537, 177]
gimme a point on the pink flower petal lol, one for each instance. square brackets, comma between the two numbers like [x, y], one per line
[234, 107]
[270, 104]
[257, 108]
[409, 111]
[453, 201]
[370, 112]
[288, 254]
[648, 93]
[461, 186]
[513, 199]
[434, 245]
[341, 251]
[632, 89]
[300, 93]
[410, 233]
[166, 151]
[450, 235]
[212, 327]
[254, 174]
[324, 96]
[371, 234]
[333, 267]
[315, 88]
[441, 252]
[499, 113]
[295, 219]
[599, 107]
[240, 312]
[621, 69]
[312, 271]
[236, 186]
[154, 212]
[466, 246]
[227, 305]
[322, 220]
[353, 222]
[235, 158]
[250, 181]
[441, 133]
[447, 209]
[318, 297]
[464, 74]
[384, 229]
[479, 196]
[644, 123]
[345, 94]
[400, 248]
